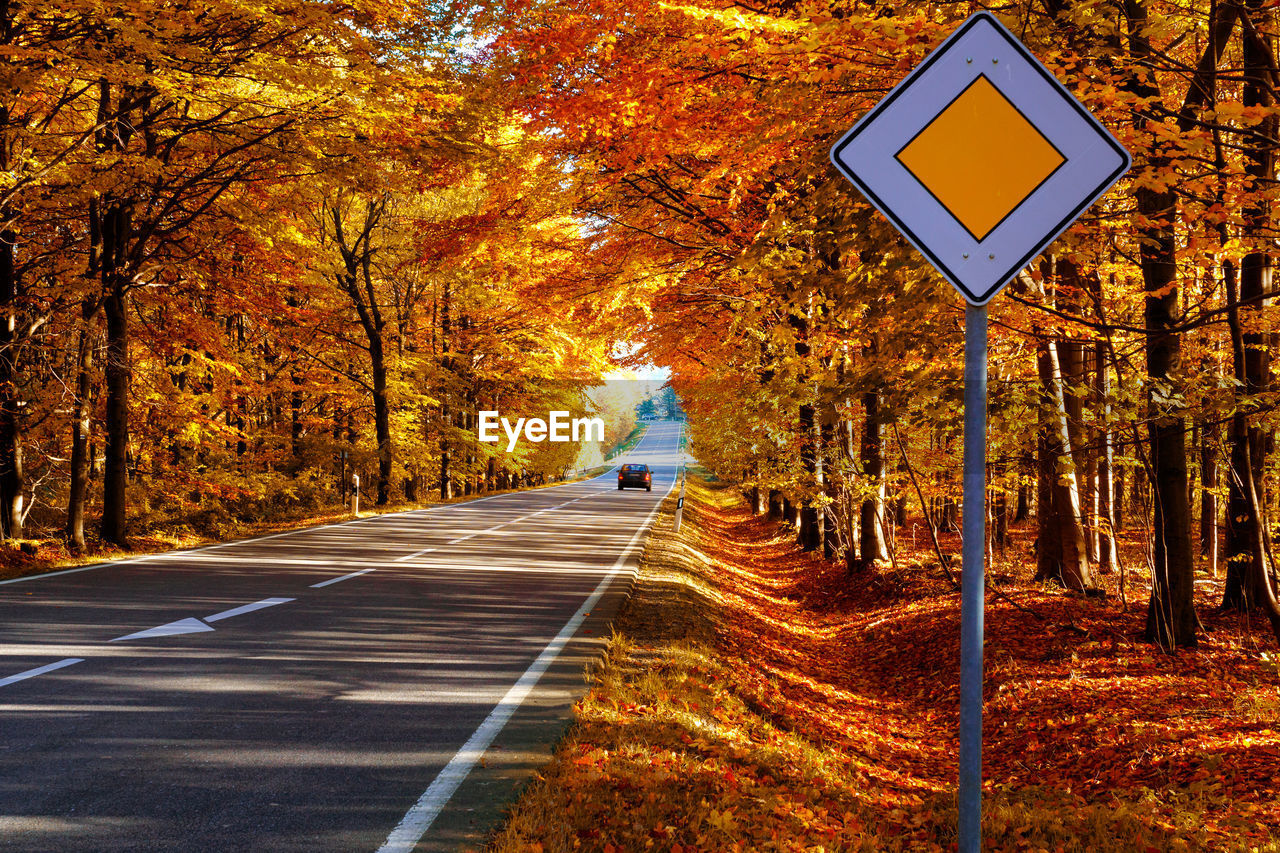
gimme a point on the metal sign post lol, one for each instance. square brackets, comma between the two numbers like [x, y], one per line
[980, 157]
[971, 575]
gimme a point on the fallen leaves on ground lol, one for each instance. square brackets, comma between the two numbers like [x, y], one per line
[757, 698]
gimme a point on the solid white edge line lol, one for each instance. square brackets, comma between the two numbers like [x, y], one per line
[248, 608]
[423, 813]
[341, 578]
[40, 670]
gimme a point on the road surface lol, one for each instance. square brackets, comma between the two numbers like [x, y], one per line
[357, 686]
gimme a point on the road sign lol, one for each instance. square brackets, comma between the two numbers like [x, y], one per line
[980, 157]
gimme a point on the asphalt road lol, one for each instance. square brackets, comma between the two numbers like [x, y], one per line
[357, 686]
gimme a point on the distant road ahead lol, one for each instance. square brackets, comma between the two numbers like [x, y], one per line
[343, 688]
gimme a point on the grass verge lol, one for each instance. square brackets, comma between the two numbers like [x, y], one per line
[755, 698]
[625, 446]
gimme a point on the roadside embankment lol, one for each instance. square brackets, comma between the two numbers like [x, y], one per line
[754, 697]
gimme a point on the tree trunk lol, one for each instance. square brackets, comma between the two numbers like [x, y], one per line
[871, 539]
[295, 422]
[1048, 530]
[1106, 463]
[12, 478]
[469, 463]
[1062, 554]
[1250, 361]
[809, 534]
[1244, 556]
[381, 418]
[446, 474]
[357, 279]
[446, 361]
[1117, 498]
[1209, 496]
[111, 228]
[1262, 579]
[81, 425]
[1027, 465]
[116, 372]
[342, 465]
[831, 488]
[1171, 617]
[1091, 499]
[1000, 515]
[849, 510]
[1074, 375]
[998, 503]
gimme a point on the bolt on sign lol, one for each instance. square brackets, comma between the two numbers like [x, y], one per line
[980, 157]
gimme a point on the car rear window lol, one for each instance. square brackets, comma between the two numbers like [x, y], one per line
[633, 467]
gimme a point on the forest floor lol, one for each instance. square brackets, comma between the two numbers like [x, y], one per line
[754, 697]
[46, 551]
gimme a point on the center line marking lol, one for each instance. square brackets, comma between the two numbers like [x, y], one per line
[415, 554]
[341, 578]
[40, 670]
[247, 608]
[407, 557]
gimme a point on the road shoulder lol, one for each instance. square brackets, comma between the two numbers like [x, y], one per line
[527, 742]
[755, 697]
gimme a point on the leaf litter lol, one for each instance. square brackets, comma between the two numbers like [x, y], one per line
[754, 697]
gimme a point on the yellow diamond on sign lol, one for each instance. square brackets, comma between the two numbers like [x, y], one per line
[980, 158]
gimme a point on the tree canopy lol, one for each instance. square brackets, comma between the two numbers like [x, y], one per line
[247, 251]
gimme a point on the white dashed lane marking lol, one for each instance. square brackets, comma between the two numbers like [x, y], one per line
[341, 578]
[40, 670]
[247, 608]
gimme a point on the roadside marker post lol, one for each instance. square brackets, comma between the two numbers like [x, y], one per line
[981, 158]
[675, 527]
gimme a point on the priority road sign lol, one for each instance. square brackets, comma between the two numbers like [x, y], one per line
[980, 157]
